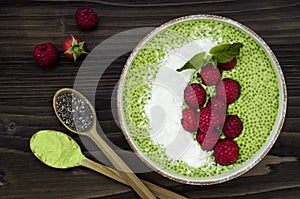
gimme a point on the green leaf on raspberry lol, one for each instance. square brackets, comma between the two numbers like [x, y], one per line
[225, 52]
[76, 49]
[195, 63]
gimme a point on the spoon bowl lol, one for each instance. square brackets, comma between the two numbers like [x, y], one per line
[72, 91]
[92, 133]
[46, 146]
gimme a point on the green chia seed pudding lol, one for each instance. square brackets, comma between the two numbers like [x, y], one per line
[257, 105]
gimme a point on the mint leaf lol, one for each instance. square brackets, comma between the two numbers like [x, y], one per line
[225, 52]
[195, 62]
[198, 60]
[186, 66]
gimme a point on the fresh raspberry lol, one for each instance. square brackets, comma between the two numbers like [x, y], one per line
[226, 152]
[228, 65]
[200, 136]
[86, 18]
[207, 140]
[217, 104]
[194, 95]
[210, 75]
[46, 55]
[232, 126]
[74, 48]
[189, 120]
[228, 90]
[210, 119]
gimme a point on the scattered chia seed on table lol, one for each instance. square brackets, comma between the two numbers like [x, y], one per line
[74, 112]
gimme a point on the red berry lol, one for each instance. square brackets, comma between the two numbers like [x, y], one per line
[200, 136]
[210, 75]
[226, 152]
[210, 119]
[228, 90]
[228, 65]
[217, 104]
[86, 18]
[194, 95]
[74, 48]
[46, 55]
[207, 140]
[232, 126]
[189, 120]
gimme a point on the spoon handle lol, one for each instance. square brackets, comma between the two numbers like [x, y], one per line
[127, 175]
[159, 192]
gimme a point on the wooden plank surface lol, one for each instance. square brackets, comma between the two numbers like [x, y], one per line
[26, 92]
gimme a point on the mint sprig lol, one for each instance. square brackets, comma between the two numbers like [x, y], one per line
[219, 54]
[195, 62]
[225, 52]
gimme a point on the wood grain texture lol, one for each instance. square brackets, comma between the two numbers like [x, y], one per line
[26, 92]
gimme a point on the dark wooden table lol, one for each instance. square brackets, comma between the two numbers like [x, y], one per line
[26, 92]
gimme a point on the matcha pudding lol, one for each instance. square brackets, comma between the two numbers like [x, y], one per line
[152, 98]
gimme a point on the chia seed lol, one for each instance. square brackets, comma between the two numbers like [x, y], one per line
[74, 112]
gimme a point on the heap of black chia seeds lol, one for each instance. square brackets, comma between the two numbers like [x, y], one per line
[74, 112]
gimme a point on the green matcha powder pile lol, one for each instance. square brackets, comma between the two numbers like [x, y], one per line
[56, 149]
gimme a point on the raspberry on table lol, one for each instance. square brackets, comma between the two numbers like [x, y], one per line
[46, 55]
[86, 18]
[74, 48]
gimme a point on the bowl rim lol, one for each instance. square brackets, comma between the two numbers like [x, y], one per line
[256, 158]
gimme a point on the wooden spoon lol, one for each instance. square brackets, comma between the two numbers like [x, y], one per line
[127, 175]
[160, 192]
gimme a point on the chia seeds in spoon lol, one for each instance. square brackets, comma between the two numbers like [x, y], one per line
[74, 112]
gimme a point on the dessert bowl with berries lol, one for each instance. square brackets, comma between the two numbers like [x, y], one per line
[201, 99]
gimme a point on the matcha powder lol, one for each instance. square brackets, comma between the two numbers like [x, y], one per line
[56, 149]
